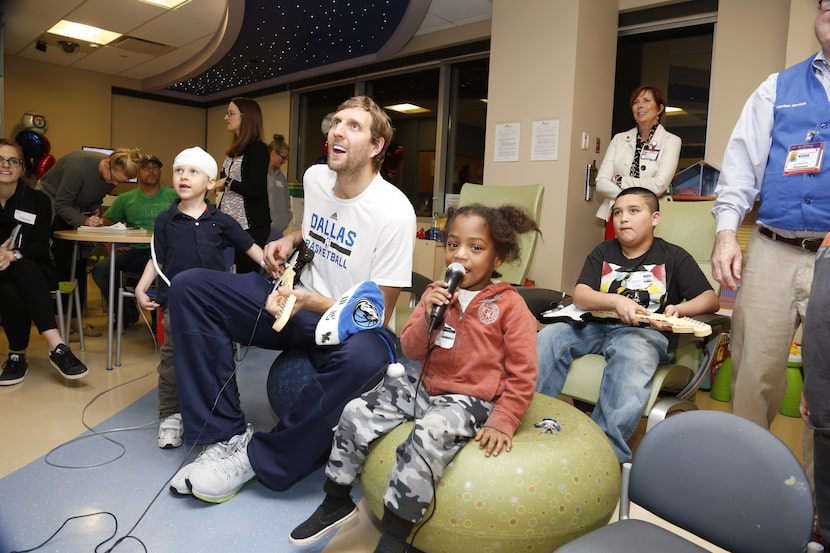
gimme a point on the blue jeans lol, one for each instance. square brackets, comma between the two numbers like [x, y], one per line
[632, 355]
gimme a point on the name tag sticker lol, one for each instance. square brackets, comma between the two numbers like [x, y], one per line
[24, 217]
[804, 158]
[650, 154]
[447, 338]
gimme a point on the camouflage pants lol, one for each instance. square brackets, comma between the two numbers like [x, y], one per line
[442, 425]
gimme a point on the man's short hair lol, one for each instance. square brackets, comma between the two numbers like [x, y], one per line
[649, 197]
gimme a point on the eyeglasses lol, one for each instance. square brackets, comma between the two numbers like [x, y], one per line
[12, 161]
[231, 113]
[824, 5]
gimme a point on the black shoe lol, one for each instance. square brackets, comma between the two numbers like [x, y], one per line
[390, 544]
[65, 361]
[321, 523]
[14, 370]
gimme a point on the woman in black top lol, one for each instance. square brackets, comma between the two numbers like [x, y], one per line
[245, 196]
[27, 276]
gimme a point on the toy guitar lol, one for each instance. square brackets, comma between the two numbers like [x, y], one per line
[301, 257]
[679, 325]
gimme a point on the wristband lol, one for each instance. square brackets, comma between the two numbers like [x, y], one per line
[262, 264]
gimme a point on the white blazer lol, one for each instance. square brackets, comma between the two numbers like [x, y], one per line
[656, 175]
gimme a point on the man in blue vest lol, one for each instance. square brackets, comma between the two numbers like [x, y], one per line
[775, 155]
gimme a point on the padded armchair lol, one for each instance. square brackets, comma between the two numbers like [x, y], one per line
[528, 197]
[690, 225]
[718, 476]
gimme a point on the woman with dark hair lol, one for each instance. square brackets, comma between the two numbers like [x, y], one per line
[645, 156]
[26, 274]
[245, 170]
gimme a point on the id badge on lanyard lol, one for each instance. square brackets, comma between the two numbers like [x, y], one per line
[804, 158]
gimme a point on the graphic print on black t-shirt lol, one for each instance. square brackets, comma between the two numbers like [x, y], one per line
[645, 284]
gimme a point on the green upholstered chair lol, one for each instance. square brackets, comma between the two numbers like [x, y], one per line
[528, 197]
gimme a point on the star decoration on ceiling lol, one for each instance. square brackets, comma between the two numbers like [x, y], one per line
[281, 37]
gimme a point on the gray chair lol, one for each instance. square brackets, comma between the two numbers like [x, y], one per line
[718, 476]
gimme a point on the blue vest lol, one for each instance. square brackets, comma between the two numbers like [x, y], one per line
[797, 202]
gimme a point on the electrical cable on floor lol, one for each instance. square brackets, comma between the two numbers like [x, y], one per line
[102, 433]
[129, 535]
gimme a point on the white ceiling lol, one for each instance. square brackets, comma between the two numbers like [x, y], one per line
[159, 41]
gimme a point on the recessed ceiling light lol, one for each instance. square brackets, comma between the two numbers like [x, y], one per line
[169, 4]
[82, 32]
[407, 108]
[671, 110]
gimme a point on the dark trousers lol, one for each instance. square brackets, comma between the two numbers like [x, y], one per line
[816, 357]
[25, 297]
[209, 310]
[245, 264]
[62, 251]
[132, 261]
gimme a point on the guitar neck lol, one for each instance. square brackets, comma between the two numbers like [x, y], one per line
[679, 325]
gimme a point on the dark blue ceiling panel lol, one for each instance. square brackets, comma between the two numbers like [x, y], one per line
[281, 37]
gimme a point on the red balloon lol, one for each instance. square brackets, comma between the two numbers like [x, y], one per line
[43, 164]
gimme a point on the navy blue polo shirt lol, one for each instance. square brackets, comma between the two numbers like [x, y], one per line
[182, 242]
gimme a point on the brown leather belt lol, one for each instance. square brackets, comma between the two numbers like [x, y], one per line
[809, 244]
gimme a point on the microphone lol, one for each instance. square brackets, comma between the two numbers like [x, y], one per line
[453, 277]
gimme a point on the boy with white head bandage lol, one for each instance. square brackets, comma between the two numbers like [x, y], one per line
[192, 233]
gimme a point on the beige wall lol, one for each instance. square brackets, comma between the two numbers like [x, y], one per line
[82, 111]
[156, 127]
[77, 104]
[534, 75]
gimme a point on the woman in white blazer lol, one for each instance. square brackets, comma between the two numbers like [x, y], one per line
[644, 156]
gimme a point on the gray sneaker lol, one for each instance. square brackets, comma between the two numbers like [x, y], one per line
[14, 370]
[65, 361]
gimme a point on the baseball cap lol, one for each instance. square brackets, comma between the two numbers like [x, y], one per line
[150, 158]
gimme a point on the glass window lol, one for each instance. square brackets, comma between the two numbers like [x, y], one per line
[669, 47]
[428, 157]
[411, 100]
[468, 119]
[314, 107]
[682, 70]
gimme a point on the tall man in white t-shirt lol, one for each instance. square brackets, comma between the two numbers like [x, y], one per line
[360, 228]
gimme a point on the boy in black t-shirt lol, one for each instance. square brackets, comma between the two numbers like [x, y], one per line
[634, 273]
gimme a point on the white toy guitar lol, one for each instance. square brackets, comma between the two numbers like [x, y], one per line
[679, 325]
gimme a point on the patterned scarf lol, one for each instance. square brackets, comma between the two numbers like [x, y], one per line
[635, 165]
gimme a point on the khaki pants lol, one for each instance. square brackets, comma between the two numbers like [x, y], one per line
[770, 306]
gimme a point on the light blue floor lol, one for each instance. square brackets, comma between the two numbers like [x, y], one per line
[37, 499]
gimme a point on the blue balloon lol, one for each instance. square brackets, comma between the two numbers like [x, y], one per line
[33, 144]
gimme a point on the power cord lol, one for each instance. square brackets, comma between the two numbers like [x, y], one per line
[190, 451]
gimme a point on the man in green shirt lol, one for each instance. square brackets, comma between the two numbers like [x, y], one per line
[136, 209]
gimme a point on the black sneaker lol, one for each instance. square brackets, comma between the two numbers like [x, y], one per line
[14, 370]
[321, 523]
[65, 361]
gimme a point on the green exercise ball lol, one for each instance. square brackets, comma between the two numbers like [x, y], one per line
[550, 489]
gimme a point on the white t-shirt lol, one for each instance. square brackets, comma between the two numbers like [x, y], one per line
[369, 237]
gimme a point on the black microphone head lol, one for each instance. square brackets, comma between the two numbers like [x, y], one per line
[453, 277]
[456, 268]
